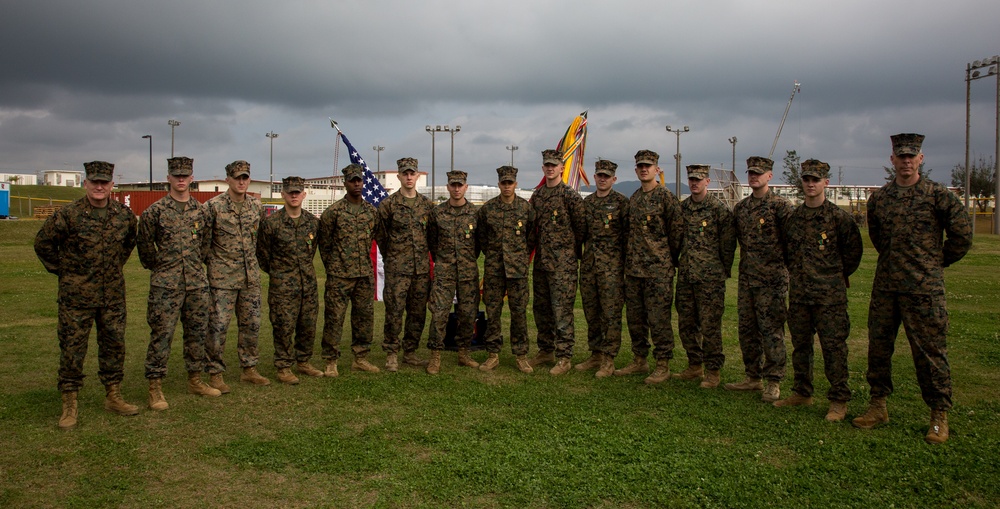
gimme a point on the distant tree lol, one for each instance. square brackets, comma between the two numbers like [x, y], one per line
[791, 172]
[890, 172]
[982, 180]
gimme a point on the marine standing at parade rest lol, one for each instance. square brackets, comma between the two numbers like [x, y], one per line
[506, 231]
[402, 238]
[234, 277]
[346, 232]
[173, 243]
[918, 227]
[561, 224]
[706, 261]
[286, 247]
[451, 235]
[602, 270]
[86, 244]
[822, 249]
[763, 282]
[655, 238]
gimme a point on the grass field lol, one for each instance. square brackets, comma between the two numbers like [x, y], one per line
[502, 439]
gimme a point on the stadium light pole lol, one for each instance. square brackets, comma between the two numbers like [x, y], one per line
[270, 185]
[432, 130]
[150, 138]
[733, 141]
[512, 148]
[677, 156]
[452, 130]
[172, 123]
[973, 72]
[378, 156]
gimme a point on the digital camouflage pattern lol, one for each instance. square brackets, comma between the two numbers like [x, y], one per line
[507, 238]
[233, 275]
[705, 262]
[346, 232]
[452, 234]
[554, 295]
[759, 226]
[917, 231]
[163, 308]
[833, 325]
[655, 233]
[647, 311]
[761, 314]
[602, 271]
[87, 251]
[286, 248]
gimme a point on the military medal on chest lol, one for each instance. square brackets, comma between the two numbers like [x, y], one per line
[555, 215]
[822, 241]
[703, 225]
[608, 221]
[644, 225]
[517, 231]
[310, 241]
[194, 231]
[468, 233]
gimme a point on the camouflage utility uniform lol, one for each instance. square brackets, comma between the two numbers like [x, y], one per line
[451, 234]
[286, 248]
[602, 276]
[87, 248]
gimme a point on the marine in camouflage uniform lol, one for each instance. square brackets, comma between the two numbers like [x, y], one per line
[451, 235]
[173, 243]
[822, 249]
[346, 232]
[706, 261]
[908, 220]
[86, 244]
[402, 239]
[286, 248]
[602, 270]
[506, 231]
[763, 282]
[655, 238]
[561, 224]
[234, 277]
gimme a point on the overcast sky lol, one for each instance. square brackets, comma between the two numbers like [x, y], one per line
[86, 80]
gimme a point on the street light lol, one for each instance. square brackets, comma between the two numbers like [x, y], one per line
[512, 148]
[378, 157]
[972, 72]
[452, 130]
[677, 156]
[270, 185]
[150, 137]
[432, 130]
[172, 123]
[733, 141]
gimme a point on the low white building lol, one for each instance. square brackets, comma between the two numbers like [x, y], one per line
[62, 178]
[19, 179]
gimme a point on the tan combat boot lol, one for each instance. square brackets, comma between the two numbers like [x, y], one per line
[465, 360]
[490, 363]
[637, 366]
[250, 375]
[392, 362]
[307, 369]
[331, 369]
[562, 367]
[434, 365]
[196, 386]
[772, 392]
[693, 372]
[660, 374]
[360, 363]
[113, 402]
[795, 399]
[607, 367]
[748, 384]
[592, 362]
[69, 408]
[156, 400]
[542, 358]
[837, 412]
[412, 359]
[286, 376]
[216, 381]
[938, 431]
[711, 380]
[524, 364]
[876, 414]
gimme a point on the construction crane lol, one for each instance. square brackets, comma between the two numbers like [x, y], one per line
[795, 88]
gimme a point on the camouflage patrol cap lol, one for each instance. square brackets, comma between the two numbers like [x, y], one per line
[605, 167]
[237, 168]
[457, 177]
[506, 174]
[759, 165]
[698, 171]
[352, 171]
[647, 157]
[815, 168]
[99, 171]
[906, 144]
[406, 164]
[551, 156]
[180, 166]
[290, 184]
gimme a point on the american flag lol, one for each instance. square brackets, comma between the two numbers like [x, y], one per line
[373, 192]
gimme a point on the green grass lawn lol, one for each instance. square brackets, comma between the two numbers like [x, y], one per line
[501, 439]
